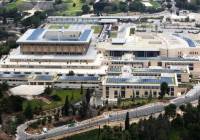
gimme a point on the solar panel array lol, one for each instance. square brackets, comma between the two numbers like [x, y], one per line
[118, 69]
[16, 76]
[158, 70]
[169, 80]
[35, 34]
[78, 78]
[43, 78]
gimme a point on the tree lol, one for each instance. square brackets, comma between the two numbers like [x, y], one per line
[28, 112]
[164, 89]
[48, 90]
[127, 122]
[66, 106]
[170, 110]
[58, 1]
[123, 6]
[136, 6]
[198, 106]
[81, 90]
[72, 97]
[83, 109]
[182, 108]
[85, 9]
[44, 120]
[49, 118]
[71, 73]
[74, 4]
[4, 86]
[87, 96]
[119, 100]
[107, 9]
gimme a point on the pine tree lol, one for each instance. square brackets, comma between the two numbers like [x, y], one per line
[28, 112]
[127, 122]
[81, 90]
[88, 96]
[66, 106]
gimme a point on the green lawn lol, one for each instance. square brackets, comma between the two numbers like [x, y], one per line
[113, 34]
[20, 4]
[97, 29]
[71, 10]
[61, 93]
[58, 26]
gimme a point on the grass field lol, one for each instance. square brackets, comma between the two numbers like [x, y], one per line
[113, 34]
[61, 93]
[73, 7]
[58, 26]
[97, 29]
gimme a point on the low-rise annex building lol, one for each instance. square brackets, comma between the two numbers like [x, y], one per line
[138, 86]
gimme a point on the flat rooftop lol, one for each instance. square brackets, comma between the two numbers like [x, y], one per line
[54, 36]
[149, 70]
[140, 80]
[150, 42]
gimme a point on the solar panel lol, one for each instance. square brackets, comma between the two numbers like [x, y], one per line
[78, 78]
[44, 77]
[140, 80]
[13, 76]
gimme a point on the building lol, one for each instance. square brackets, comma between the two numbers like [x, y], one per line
[50, 52]
[137, 86]
[129, 65]
[183, 73]
[146, 49]
[41, 41]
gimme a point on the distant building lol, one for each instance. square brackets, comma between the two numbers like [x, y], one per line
[41, 41]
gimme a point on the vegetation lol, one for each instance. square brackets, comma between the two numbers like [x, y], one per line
[164, 89]
[71, 8]
[73, 94]
[190, 5]
[28, 112]
[34, 20]
[119, 6]
[127, 123]
[85, 104]
[66, 106]
[181, 127]
[85, 9]
[59, 26]
[127, 103]
[97, 29]
[113, 34]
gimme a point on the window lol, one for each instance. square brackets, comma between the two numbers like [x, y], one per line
[155, 93]
[146, 93]
[116, 94]
[137, 93]
[159, 64]
[107, 95]
[123, 94]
